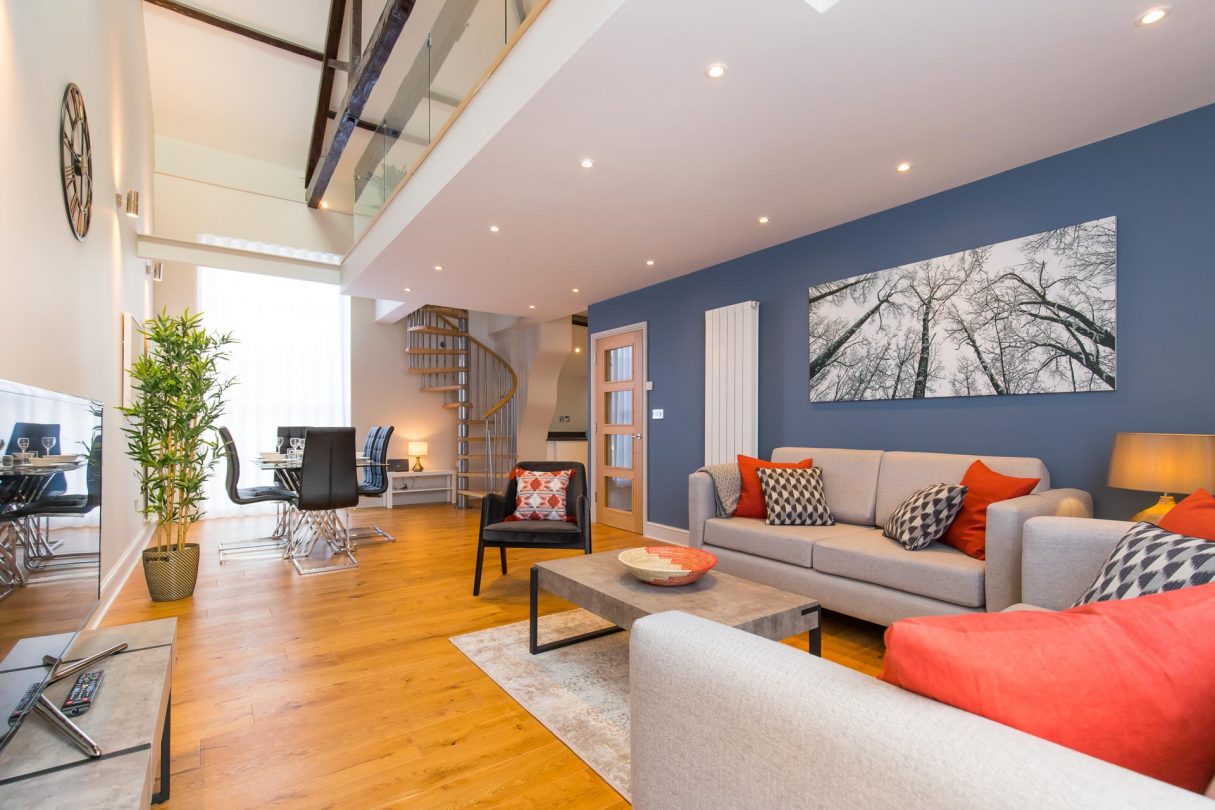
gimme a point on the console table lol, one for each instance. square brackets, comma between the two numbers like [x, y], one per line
[130, 722]
[401, 482]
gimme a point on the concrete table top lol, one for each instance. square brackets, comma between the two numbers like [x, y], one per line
[600, 583]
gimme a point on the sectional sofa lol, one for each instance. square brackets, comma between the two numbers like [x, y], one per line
[725, 719]
[851, 567]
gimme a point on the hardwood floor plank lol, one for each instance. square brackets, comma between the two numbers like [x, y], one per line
[344, 691]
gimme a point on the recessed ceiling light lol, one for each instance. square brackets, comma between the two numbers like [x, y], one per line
[531, 306]
[903, 167]
[715, 70]
[763, 220]
[324, 203]
[494, 228]
[575, 289]
[649, 262]
[1153, 15]
[438, 268]
[577, 350]
[407, 289]
[587, 163]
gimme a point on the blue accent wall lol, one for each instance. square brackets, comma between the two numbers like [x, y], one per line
[1160, 183]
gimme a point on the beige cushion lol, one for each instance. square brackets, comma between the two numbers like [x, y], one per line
[788, 544]
[849, 478]
[1021, 606]
[937, 571]
[904, 473]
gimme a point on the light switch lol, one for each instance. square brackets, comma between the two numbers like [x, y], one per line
[649, 385]
[656, 413]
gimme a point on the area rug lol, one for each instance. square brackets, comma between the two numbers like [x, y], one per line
[580, 693]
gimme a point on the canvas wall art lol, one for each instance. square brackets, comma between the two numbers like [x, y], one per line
[1033, 315]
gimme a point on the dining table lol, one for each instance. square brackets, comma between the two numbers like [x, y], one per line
[22, 484]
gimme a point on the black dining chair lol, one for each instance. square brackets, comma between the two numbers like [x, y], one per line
[41, 551]
[328, 483]
[375, 478]
[498, 532]
[262, 548]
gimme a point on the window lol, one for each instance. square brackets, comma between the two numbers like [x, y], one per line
[291, 363]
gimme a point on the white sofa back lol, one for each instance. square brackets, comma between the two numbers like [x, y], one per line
[865, 486]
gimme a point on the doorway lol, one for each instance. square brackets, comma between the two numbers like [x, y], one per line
[618, 409]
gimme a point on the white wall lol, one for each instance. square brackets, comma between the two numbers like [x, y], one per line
[572, 386]
[383, 392]
[85, 285]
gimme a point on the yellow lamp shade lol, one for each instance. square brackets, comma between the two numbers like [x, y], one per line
[1163, 462]
[418, 449]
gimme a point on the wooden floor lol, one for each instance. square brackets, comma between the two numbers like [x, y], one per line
[342, 690]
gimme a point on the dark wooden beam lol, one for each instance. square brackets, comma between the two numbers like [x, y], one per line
[237, 28]
[362, 80]
[324, 93]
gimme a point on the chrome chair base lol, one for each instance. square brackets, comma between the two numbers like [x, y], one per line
[367, 533]
[272, 547]
[326, 526]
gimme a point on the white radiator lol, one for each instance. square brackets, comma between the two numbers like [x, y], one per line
[731, 382]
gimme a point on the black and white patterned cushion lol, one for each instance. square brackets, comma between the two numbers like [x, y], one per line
[795, 497]
[1149, 559]
[926, 515]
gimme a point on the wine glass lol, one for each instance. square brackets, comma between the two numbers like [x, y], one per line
[47, 443]
[23, 444]
[278, 444]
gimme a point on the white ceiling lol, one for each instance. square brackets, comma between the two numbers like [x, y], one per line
[806, 127]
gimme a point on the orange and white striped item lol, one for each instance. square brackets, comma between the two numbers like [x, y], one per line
[667, 565]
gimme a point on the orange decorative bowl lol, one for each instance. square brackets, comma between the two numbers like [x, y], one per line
[667, 565]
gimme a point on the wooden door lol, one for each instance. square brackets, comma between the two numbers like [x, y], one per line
[619, 390]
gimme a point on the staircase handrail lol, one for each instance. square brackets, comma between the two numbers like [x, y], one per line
[514, 378]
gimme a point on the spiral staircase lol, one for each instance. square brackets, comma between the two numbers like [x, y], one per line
[478, 385]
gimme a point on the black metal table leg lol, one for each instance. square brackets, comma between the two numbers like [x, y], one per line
[816, 633]
[162, 796]
[533, 629]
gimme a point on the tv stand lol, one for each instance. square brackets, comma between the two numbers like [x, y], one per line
[129, 725]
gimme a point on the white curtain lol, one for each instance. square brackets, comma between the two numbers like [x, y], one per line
[291, 364]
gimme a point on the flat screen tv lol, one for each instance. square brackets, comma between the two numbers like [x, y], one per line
[50, 536]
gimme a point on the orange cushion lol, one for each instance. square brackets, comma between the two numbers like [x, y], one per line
[985, 486]
[751, 500]
[1127, 681]
[1193, 517]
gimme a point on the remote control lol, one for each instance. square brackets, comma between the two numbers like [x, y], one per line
[83, 693]
[27, 700]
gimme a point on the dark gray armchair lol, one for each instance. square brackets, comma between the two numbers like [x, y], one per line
[498, 532]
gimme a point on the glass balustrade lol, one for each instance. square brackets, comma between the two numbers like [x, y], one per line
[420, 89]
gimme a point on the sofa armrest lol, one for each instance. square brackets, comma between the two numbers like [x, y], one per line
[702, 505]
[724, 719]
[1005, 525]
[1063, 556]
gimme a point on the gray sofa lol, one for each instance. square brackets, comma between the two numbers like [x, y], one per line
[725, 719]
[851, 567]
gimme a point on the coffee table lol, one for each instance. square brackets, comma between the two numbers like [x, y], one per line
[600, 584]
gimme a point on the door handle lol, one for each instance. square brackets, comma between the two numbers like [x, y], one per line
[636, 435]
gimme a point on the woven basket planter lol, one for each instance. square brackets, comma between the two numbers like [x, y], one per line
[172, 574]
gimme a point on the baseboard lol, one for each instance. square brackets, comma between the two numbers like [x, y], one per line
[112, 583]
[668, 534]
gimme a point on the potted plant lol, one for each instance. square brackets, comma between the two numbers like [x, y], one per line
[179, 396]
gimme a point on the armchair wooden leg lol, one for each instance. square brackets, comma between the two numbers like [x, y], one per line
[502, 554]
[480, 561]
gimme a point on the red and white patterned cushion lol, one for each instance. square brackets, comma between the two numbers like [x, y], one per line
[541, 495]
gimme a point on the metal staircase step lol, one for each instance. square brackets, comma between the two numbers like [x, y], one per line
[445, 370]
[435, 330]
[441, 388]
[425, 350]
[472, 493]
[451, 406]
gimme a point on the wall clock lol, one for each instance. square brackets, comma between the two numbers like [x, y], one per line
[76, 160]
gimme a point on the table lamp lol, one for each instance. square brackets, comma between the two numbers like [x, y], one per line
[1164, 463]
[418, 449]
